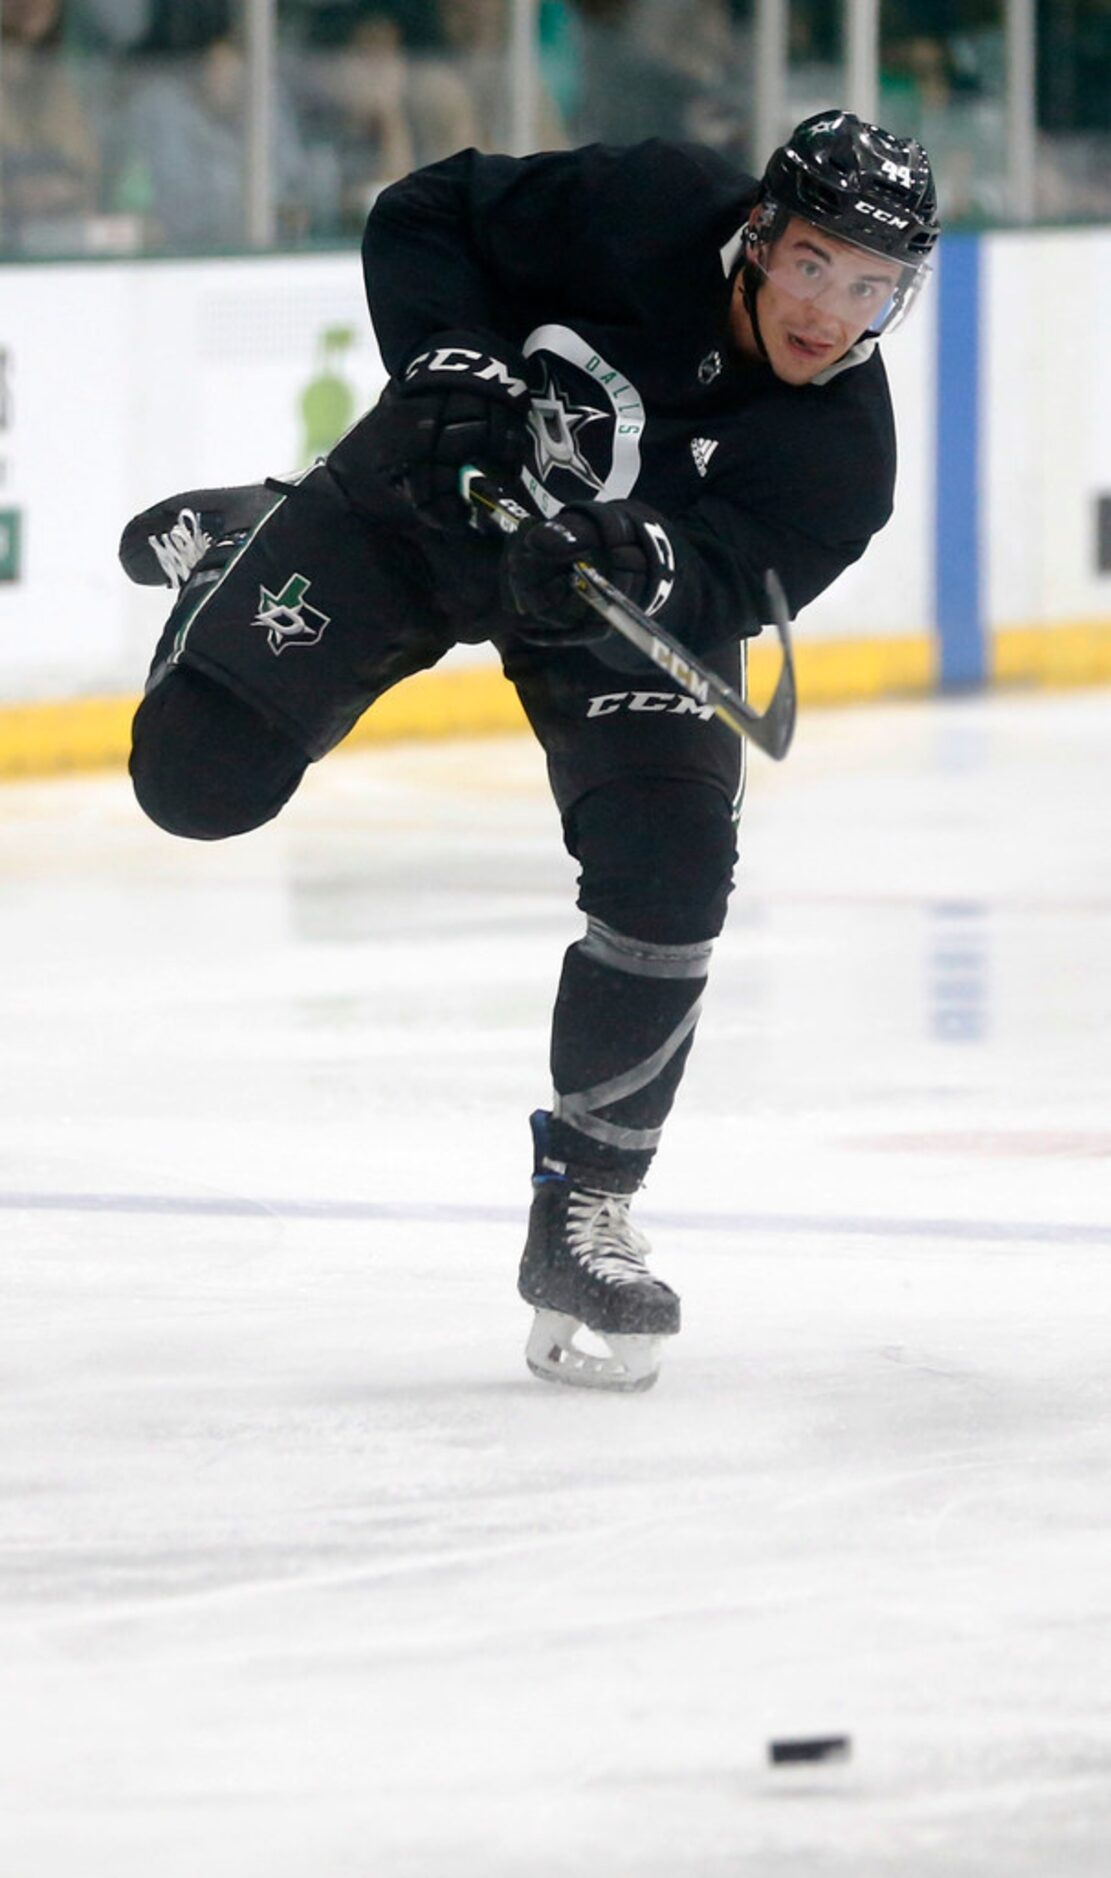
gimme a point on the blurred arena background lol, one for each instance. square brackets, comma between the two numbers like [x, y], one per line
[182, 191]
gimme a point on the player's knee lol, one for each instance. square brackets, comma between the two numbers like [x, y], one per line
[657, 857]
[204, 765]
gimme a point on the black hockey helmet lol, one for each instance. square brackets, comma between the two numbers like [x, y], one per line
[860, 184]
[857, 182]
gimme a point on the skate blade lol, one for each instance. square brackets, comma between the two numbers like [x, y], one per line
[626, 1363]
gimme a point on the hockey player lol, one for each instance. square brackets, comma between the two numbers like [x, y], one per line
[674, 367]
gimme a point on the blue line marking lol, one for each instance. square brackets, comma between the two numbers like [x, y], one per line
[958, 575]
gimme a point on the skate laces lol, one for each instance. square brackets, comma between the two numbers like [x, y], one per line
[602, 1236]
[180, 550]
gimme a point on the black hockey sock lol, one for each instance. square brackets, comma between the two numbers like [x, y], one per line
[621, 1032]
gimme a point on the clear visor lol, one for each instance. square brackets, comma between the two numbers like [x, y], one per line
[864, 291]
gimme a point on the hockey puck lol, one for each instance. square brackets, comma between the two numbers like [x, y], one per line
[810, 1748]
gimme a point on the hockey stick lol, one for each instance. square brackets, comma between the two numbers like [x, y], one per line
[770, 730]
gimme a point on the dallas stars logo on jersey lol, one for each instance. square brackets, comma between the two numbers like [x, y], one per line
[288, 621]
[585, 424]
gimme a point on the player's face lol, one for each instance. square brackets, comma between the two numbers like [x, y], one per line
[818, 296]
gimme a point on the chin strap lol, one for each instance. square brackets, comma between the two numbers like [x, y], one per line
[755, 236]
[750, 281]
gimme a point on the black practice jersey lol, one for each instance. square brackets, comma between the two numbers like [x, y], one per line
[611, 270]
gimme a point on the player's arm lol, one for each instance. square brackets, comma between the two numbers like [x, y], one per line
[800, 486]
[452, 254]
[805, 498]
[702, 574]
[723, 552]
[470, 242]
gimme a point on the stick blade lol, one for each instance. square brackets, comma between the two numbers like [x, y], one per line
[782, 712]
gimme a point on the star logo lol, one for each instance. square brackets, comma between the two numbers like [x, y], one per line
[556, 424]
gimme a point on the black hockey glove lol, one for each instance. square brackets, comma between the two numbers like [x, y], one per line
[462, 399]
[625, 541]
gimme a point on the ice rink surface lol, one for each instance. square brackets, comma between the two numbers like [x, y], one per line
[303, 1573]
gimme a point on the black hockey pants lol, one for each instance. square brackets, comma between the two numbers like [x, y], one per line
[338, 595]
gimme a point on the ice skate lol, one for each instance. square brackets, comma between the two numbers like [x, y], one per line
[168, 543]
[583, 1270]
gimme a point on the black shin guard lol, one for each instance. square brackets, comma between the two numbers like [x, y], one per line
[657, 854]
[622, 1030]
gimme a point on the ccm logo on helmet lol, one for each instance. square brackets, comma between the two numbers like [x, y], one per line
[882, 215]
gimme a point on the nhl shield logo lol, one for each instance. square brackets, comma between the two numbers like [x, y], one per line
[287, 619]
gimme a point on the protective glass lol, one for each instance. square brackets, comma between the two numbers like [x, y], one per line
[865, 291]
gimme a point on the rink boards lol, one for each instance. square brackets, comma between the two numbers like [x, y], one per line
[121, 381]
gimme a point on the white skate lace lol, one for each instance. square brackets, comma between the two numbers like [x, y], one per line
[181, 548]
[602, 1237]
